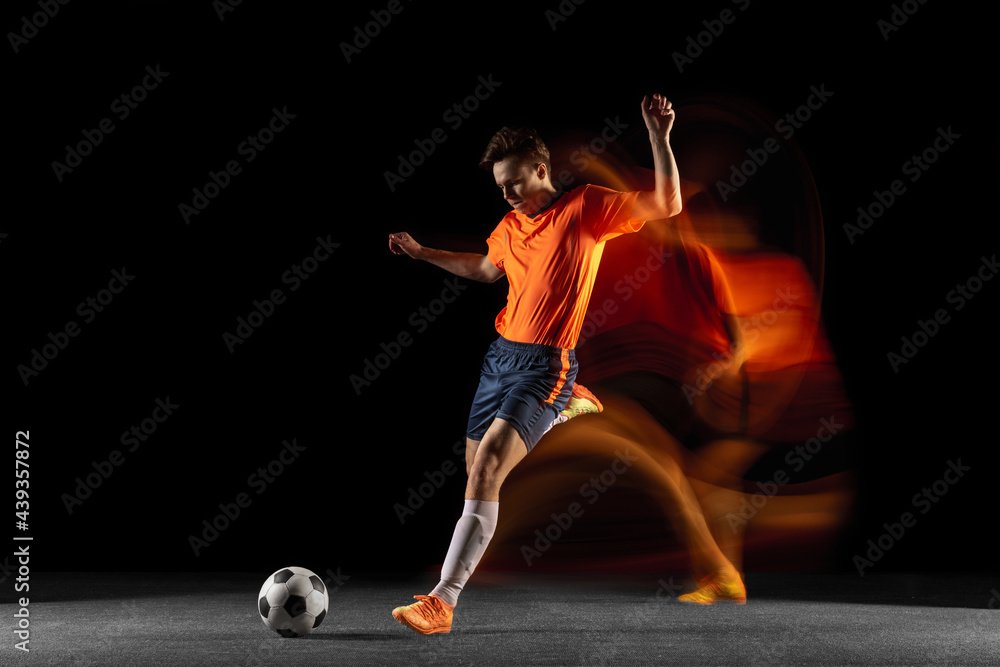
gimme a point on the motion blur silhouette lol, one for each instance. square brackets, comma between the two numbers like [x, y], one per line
[727, 435]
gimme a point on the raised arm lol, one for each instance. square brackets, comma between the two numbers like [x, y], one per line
[463, 264]
[665, 200]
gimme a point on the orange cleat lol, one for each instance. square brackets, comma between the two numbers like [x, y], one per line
[428, 616]
[717, 589]
[582, 402]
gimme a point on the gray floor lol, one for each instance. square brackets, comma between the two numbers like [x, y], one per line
[790, 619]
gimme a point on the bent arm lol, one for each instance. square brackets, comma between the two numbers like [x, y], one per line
[464, 264]
[665, 199]
[469, 265]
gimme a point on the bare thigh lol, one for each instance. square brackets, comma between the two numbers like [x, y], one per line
[494, 457]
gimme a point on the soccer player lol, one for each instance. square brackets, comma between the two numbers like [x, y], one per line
[549, 247]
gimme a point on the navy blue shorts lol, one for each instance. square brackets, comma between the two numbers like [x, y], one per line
[528, 385]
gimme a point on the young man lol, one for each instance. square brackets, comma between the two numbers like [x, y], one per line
[549, 247]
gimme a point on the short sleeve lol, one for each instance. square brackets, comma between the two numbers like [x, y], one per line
[609, 212]
[497, 243]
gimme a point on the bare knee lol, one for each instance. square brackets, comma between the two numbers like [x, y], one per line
[485, 477]
[495, 456]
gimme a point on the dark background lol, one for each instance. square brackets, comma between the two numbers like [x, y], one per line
[323, 176]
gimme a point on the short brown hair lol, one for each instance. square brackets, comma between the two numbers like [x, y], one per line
[522, 143]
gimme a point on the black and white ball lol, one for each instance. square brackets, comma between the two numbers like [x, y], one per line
[293, 601]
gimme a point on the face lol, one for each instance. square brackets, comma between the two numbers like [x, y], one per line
[525, 187]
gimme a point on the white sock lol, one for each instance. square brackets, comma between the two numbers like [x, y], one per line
[472, 535]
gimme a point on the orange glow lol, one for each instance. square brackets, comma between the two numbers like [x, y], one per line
[655, 349]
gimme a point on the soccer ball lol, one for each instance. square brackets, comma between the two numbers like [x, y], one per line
[293, 601]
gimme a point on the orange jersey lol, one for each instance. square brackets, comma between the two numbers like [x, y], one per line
[551, 261]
